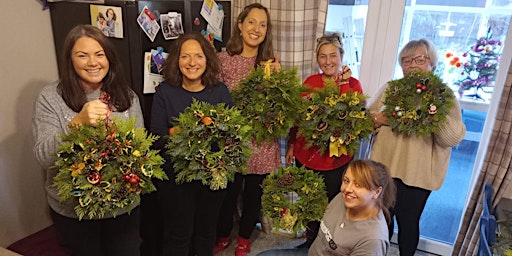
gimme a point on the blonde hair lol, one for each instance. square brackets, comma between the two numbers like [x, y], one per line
[333, 39]
[372, 175]
[411, 47]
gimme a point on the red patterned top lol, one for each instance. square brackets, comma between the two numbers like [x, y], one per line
[311, 157]
[266, 157]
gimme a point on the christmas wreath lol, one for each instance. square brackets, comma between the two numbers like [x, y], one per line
[308, 201]
[271, 102]
[335, 121]
[106, 167]
[418, 103]
[211, 144]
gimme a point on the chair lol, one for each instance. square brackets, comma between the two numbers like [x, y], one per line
[487, 224]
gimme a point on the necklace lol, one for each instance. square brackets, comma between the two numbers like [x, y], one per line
[372, 214]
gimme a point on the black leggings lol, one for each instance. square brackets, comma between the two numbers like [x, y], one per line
[117, 236]
[251, 203]
[410, 202]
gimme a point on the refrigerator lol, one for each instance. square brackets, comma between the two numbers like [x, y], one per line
[134, 42]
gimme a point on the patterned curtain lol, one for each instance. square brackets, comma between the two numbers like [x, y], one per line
[296, 25]
[497, 170]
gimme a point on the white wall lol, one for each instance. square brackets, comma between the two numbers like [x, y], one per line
[28, 62]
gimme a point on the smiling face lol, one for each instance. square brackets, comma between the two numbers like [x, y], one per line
[254, 28]
[329, 59]
[417, 60]
[192, 62]
[90, 62]
[355, 195]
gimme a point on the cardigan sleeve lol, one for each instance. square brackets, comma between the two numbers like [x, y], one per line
[452, 132]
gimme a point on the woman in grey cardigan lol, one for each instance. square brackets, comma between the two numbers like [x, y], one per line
[418, 164]
[90, 67]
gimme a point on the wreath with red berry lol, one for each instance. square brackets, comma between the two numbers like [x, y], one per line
[105, 168]
[418, 103]
[292, 197]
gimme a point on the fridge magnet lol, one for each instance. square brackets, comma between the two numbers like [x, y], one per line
[152, 77]
[109, 19]
[147, 21]
[158, 58]
[172, 25]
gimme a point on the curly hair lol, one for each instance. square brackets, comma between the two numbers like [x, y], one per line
[171, 70]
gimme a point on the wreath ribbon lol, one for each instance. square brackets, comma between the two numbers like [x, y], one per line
[268, 69]
[337, 147]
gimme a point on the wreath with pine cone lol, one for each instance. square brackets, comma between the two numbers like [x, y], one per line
[270, 101]
[292, 197]
[211, 144]
[334, 121]
[418, 103]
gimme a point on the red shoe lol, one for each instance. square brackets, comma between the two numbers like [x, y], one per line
[222, 244]
[242, 247]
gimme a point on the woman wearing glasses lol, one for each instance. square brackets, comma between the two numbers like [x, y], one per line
[418, 164]
[355, 222]
[329, 55]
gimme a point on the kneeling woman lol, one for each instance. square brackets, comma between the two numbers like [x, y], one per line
[355, 222]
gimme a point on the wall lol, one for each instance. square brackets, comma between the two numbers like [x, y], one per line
[28, 62]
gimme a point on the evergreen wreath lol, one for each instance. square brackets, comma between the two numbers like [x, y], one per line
[211, 144]
[309, 197]
[335, 121]
[271, 102]
[418, 103]
[105, 168]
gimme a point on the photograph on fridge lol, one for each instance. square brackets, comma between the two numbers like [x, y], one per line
[109, 19]
[148, 23]
[172, 25]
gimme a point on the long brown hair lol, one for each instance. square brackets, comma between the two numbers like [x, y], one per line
[235, 43]
[172, 73]
[372, 175]
[114, 82]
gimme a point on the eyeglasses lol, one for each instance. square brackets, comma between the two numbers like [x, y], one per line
[330, 39]
[419, 60]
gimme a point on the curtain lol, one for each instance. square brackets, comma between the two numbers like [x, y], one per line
[296, 25]
[496, 170]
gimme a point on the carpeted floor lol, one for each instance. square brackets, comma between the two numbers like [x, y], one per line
[261, 241]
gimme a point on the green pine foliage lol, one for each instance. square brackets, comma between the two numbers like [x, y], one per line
[340, 119]
[212, 143]
[503, 244]
[271, 104]
[417, 105]
[105, 168]
[309, 202]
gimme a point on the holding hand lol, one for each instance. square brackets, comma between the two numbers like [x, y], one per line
[289, 155]
[379, 119]
[91, 113]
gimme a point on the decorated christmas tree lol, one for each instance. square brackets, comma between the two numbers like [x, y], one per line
[478, 65]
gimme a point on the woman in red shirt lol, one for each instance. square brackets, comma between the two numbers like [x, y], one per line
[329, 55]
